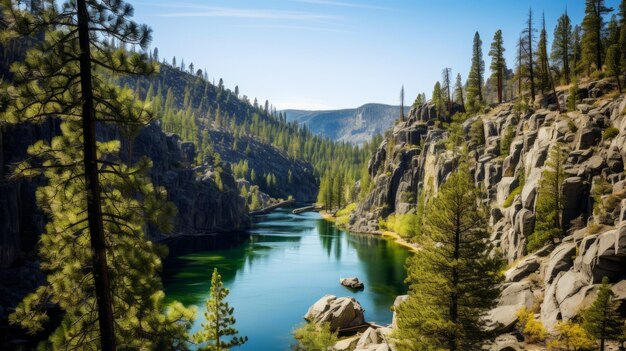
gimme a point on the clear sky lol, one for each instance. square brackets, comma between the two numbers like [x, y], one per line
[326, 54]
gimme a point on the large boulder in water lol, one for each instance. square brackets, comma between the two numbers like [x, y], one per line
[342, 312]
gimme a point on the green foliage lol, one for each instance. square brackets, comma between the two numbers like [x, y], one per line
[532, 329]
[477, 132]
[452, 279]
[314, 337]
[562, 46]
[543, 73]
[593, 26]
[602, 319]
[439, 100]
[571, 337]
[550, 202]
[509, 199]
[572, 98]
[498, 63]
[48, 83]
[475, 81]
[610, 133]
[219, 320]
[614, 64]
[506, 140]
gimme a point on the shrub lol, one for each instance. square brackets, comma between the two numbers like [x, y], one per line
[532, 329]
[572, 126]
[507, 139]
[509, 199]
[610, 133]
[571, 336]
[314, 337]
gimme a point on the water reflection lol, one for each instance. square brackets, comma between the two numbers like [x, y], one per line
[285, 265]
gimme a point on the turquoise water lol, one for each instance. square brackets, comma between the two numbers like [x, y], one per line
[288, 263]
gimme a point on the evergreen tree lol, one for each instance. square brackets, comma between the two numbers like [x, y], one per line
[475, 80]
[527, 45]
[438, 100]
[446, 87]
[458, 91]
[543, 73]
[562, 45]
[613, 64]
[602, 319]
[453, 280]
[219, 320]
[550, 201]
[94, 245]
[498, 64]
[577, 51]
[622, 34]
[593, 27]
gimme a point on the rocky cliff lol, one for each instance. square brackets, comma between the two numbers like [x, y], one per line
[202, 208]
[559, 279]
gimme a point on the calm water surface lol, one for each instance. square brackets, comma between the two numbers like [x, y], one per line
[288, 263]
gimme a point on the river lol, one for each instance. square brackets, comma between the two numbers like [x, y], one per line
[287, 263]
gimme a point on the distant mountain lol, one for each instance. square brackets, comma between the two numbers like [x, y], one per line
[356, 125]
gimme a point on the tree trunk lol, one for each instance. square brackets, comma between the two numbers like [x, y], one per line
[94, 210]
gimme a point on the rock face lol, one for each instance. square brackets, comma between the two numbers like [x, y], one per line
[561, 278]
[342, 312]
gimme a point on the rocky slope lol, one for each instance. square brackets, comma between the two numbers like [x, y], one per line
[355, 126]
[560, 279]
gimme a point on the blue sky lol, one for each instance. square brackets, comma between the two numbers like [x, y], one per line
[326, 54]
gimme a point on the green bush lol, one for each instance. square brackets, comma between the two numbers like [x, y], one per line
[572, 126]
[610, 133]
[509, 199]
[314, 337]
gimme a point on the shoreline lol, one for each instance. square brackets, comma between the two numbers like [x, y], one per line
[388, 234]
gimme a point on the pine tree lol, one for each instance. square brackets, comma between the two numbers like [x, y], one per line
[562, 45]
[602, 319]
[550, 202]
[219, 320]
[577, 50]
[593, 26]
[613, 64]
[475, 80]
[446, 87]
[498, 64]
[438, 100]
[543, 73]
[622, 34]
[458, 91]
[95, 244]
[453, 280]
[527, 45]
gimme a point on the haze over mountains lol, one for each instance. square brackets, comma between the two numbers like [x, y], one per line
[356, 125]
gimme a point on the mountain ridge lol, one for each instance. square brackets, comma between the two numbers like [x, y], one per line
[354, 125]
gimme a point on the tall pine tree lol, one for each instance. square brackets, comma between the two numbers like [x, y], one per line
[602, 319]
[476, 80]
[562, 46]
[593, 27]
[102, 270]
[453, 280]
[498, 64]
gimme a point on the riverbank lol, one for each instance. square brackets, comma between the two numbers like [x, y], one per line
[342, 222]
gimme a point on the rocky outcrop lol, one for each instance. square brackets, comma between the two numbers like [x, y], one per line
[352, 283]
[561, 278]
[342, 312]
